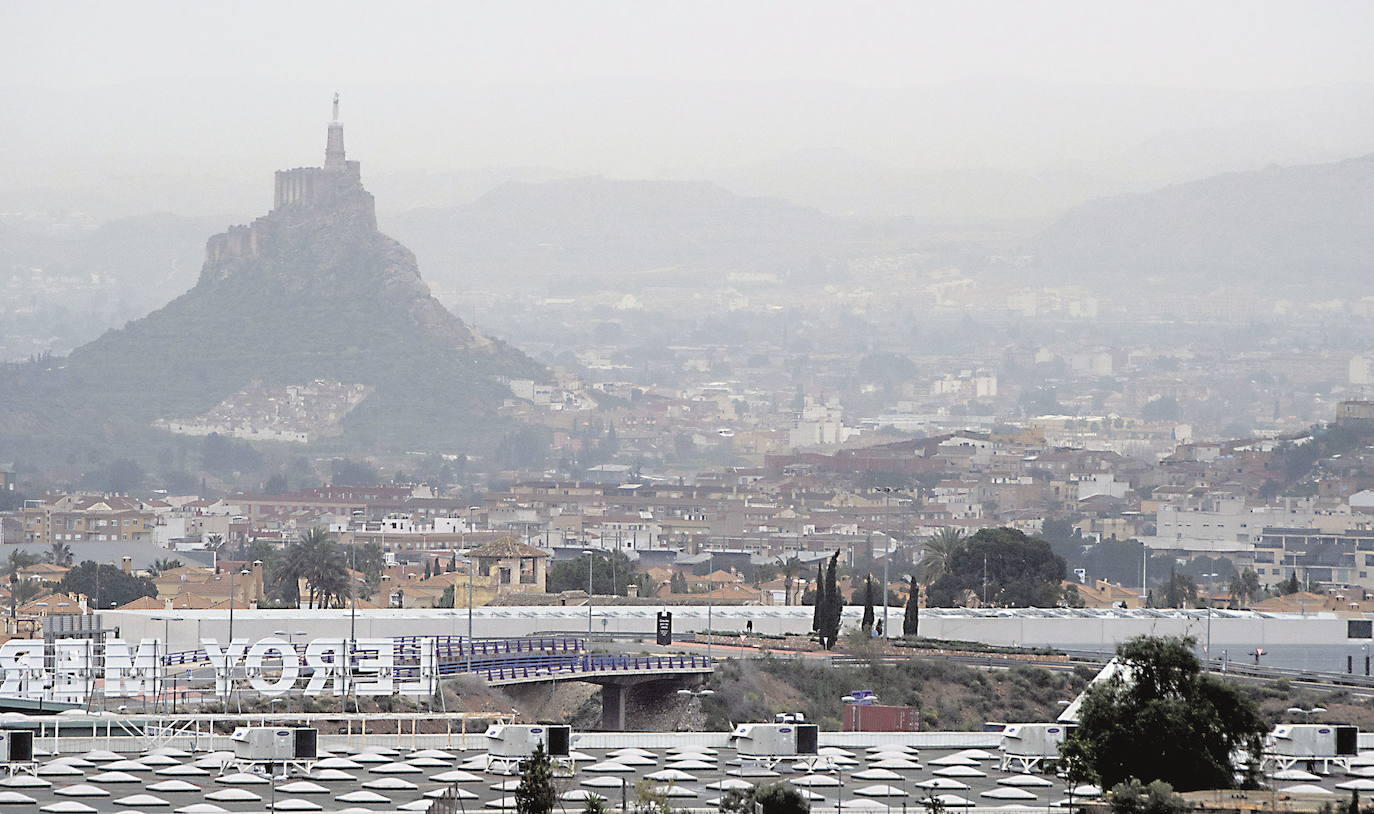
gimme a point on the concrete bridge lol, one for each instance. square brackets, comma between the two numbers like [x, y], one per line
[623, 679]
[534, 660]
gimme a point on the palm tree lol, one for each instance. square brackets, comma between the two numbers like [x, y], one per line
[59, 554]
[318, 560]
[791, 569]
[939, 550]
[25, 591]
[214, 542]
[16, 562]
[161, 566]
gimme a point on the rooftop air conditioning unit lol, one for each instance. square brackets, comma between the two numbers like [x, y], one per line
[1315, 740]
[520, 740]
[16, 746]
[776, 740]
[275, 743]
[1033, 740]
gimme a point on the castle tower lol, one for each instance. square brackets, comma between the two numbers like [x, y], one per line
[334, 145]
[315, 186]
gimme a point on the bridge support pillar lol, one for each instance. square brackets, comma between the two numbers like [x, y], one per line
[613, 700]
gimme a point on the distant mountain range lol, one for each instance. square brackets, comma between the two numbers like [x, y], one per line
[593, 230]
[1310, 226]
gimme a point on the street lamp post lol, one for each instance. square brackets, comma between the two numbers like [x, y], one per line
[228, 679]
[471, 565]
[887, 551]
[352, 643]
[587, 552]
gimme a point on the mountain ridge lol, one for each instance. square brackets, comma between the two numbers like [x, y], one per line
[595, 228]
[1307, 224]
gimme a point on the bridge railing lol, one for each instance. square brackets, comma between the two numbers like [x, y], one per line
[609, 663]
[451, 648]
[502, 659]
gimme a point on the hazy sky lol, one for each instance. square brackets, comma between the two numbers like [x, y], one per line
[1208, 44]
[750, 94]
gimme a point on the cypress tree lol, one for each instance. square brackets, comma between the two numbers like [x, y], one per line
[818, 606]
[834, 604]
[911, 620]
[867, 623]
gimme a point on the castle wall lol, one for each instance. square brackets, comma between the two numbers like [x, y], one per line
[311, 185]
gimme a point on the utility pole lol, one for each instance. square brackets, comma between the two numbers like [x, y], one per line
[587, 552]
[228, 669]
[1144, 585]
[985, 581]
[352, 625]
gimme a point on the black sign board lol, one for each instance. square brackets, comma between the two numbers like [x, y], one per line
[665, 627]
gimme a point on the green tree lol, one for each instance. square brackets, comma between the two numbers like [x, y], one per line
[1291, 585]
[771, 798]
[59, 554]
[1115, 561]
[866, 624]
[791, 569]
[1133, 797]
[369, 560]
[610, 574]
[536, 793]
[911, 618]
[1006, 566]
[1245, 586]
[105, 585]
[834, 604]
[650, 799]
[163, 564]
[1180, 590]
[348, 472]
[1162, 718]
[225, 456]
[939, 551]
[276, 485]
[25, 591]
[318, 560]
[818, 603]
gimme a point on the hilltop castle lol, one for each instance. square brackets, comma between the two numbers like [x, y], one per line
[303, 191]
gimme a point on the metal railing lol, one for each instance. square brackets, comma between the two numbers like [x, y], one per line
[446, 647]
[539, 669]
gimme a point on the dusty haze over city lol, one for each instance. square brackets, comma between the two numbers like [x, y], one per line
[1088, 98]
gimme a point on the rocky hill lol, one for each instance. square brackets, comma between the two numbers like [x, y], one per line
[1308, 226]
[311, 290]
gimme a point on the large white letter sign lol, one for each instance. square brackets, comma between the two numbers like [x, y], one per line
[131, 674]
[290, 666]
[324, 658]
[22, 661]
[224, 660]
[376, 658]
[421, 684]
[71, 660]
